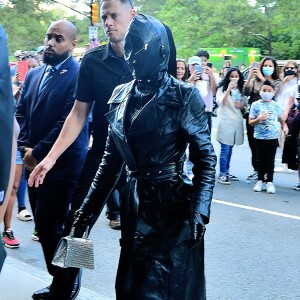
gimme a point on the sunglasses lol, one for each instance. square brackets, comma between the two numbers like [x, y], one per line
[290, 68]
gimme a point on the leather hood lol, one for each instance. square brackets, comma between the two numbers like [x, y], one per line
[146, 47]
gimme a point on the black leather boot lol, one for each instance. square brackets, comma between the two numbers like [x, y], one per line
[42, 294]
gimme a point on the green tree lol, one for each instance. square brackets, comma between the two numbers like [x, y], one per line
[270, 25]
[151, 8]
[26, 23]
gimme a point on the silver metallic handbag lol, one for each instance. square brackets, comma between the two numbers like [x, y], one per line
[74, 252]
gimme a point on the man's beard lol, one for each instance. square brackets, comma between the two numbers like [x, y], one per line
[55, 59]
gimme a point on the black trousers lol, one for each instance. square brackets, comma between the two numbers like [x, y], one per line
[266, 151]
[250, 133]
[50, 205]
[64, 279]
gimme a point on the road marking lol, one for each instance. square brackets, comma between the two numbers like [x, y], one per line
[266, 211]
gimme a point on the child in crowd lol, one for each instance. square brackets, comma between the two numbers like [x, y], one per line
[264, 116]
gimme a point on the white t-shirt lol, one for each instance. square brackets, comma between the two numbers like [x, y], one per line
[289, 89]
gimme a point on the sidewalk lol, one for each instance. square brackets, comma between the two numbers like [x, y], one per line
[25, 272]
[19, 280]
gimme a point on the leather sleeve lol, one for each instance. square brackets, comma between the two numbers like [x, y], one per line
[105, 179]
[193, 122]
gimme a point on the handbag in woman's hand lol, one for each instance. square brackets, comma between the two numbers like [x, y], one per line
[74, 252]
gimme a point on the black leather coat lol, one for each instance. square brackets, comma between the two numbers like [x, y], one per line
[155, 262]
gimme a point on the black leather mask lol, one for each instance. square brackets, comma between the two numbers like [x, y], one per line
[146, 48]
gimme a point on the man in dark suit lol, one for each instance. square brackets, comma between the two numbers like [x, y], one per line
[45, 101]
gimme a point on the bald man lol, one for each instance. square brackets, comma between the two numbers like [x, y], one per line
[46, 100]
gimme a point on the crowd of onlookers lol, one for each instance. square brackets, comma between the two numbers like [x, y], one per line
[52, 109]
[266, 103]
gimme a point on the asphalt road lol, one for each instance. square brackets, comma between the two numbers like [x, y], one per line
[252, 242]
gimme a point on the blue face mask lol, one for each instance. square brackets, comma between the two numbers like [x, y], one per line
[266, 96]
[268, 71]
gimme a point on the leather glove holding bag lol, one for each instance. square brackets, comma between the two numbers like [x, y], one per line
[74, 252]
[197, 229]
[82, 218]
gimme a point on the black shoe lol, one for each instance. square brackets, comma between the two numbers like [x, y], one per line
[55, 295]
[233, 178]
[41, 294]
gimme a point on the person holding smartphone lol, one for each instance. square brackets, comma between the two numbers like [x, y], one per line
[230, 128]
[206, 78]
[267, 68]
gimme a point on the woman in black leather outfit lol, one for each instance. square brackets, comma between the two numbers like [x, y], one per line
[151, 121]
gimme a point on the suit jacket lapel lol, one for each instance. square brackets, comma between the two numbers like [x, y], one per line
[37, 81]
[56, 76]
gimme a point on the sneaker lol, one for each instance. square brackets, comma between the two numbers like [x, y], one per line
[259, 186]
[24, 215]
[35, 235]
[9, 240]
[233, 178]
[253, 176]
[270, 188]
[115, 224]
[296, 187]
[283, 169]
[224, 179]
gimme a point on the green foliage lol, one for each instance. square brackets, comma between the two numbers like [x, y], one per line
[269, 24]
[26, 22]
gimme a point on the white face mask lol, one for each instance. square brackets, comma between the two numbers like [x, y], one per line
[266, 96]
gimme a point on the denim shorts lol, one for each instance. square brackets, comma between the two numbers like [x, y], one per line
[19, 160]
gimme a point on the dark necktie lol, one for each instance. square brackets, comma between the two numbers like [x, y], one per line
[48, 75]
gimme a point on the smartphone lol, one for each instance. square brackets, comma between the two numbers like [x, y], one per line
[234, 82]
[198, 69]
[22, 69]
[209, 65]
[255, 65]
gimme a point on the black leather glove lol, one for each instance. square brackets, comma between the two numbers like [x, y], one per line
[82, 218]
[197, 229]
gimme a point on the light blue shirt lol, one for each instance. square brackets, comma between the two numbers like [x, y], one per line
[268, 129]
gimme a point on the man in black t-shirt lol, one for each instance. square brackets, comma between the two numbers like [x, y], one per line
[101, 70]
